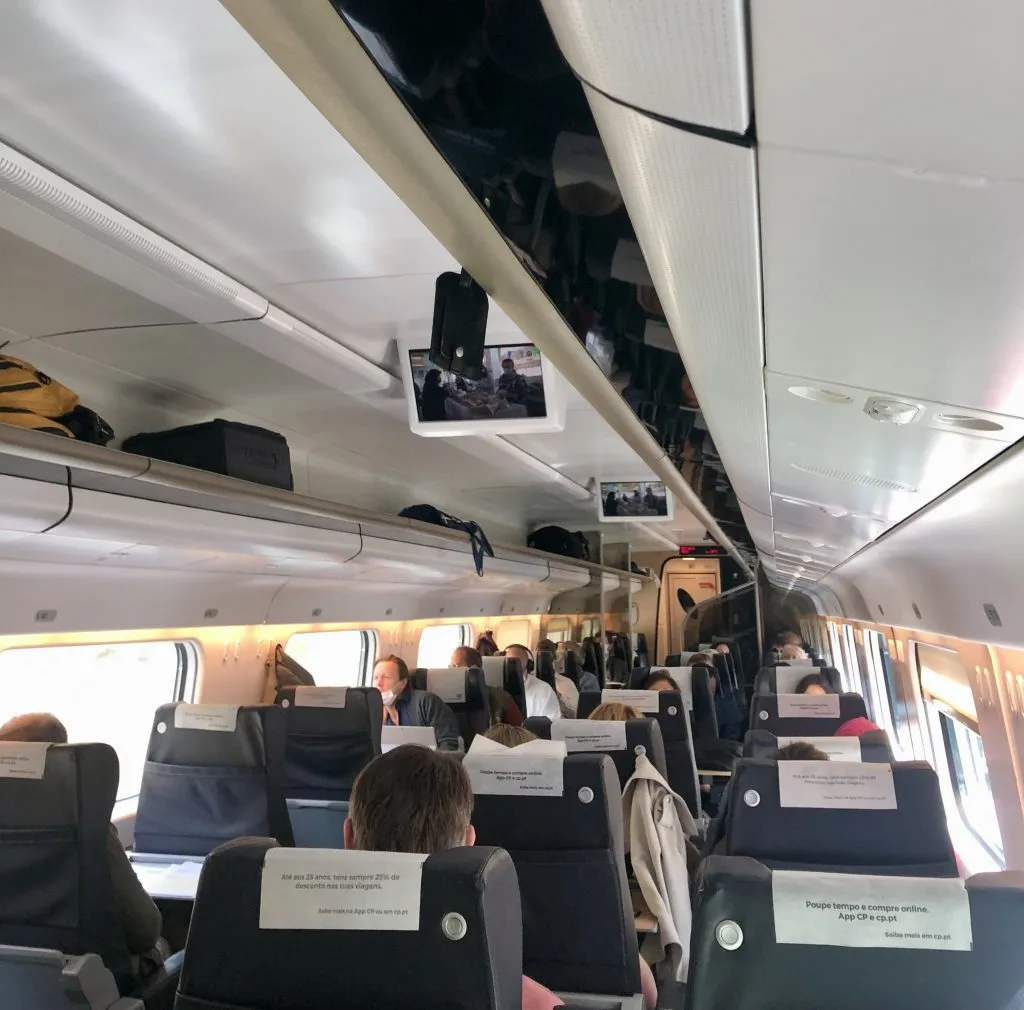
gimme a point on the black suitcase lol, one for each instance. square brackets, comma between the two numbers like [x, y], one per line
[556, 540]
[235, 450]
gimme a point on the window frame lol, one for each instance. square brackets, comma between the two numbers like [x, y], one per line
[369, 649]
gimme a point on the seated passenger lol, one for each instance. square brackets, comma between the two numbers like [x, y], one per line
[415, 800]
[546, 645]
[509, 736]
[658, 680]
[140, 918]
[857, 727]
[614, 711]
[486, 644]
[541, 699]
[502, 704]
[587, 681]
[813, 683]
[405, 706]
[800, 750]
[790, 652]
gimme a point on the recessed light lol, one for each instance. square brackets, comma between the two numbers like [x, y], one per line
[819, 395]
[968, 423]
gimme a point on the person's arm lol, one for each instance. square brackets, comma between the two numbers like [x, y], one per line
[511, 713]
[140, 918]
[436, 713]
[552, 706]
[647, 985]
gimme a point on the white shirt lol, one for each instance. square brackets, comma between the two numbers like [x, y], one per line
[540, 699]
[568, 695]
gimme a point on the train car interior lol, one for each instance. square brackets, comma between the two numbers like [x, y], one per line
[511, 503]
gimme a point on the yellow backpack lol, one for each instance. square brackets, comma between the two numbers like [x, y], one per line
[29, 398]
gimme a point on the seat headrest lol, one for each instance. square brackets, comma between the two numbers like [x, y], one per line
[786, 679]
[469, 895]
[872, 746]
[224, 735]
[859, 832]
[801, 714]
[455, 686]
[344, 710]
[735, 941]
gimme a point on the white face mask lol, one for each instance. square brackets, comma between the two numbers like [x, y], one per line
[388, 697]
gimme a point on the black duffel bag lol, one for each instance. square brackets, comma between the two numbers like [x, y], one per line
[477, 538]
[558, 540]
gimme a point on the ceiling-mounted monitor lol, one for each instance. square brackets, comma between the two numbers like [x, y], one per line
[634, 501]
[515, 392]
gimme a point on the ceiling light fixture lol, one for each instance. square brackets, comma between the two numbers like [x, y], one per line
[819, 395]
[968, 423]
[889, 411]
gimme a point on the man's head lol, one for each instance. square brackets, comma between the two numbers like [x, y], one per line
[813, 683]
[390, 674]
[788, 638]
[800, 750]
[546, 645]
[521, 653]
[466, 655]
[790, 652]
[410, 800]
[508, 366]
[36, 727]
[659, 680]
[509, 736]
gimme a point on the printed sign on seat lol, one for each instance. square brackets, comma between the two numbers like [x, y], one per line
[808, 940]
[464, 691]
[870, 746]
[801, 715]
[324, 929]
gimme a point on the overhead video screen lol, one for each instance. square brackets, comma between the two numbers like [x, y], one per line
[634, 501]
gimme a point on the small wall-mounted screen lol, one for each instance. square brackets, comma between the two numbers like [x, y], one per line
[634, 501]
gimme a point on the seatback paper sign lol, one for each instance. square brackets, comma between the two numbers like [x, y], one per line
[836, 785]
[589, 734]
[532, 769]
[448, 685]
[22, 760]
[218, 718]
[808, 706]
[838, 748]
[850, 910]
[646, 702]
[395, 736]
[339, 889]
[320, 697]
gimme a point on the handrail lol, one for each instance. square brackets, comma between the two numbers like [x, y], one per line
[324, 59]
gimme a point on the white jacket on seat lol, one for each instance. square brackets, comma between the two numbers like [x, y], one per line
[658, 823]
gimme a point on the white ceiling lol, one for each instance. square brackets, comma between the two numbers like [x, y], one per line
[173, 115]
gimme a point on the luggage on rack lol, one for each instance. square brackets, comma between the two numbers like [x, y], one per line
[477, 538]
[227, 447]
[557, 540]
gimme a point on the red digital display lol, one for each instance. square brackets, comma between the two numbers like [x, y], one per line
[700, 551]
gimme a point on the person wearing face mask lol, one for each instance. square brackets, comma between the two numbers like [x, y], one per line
[405, 706]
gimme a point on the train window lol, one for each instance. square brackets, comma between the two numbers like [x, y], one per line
[102, 693]
[439, 641]
[835, 652]
[965, 754]
[851, 665]
[892, 708]
[335, 658]
[558, 631]
[590, 628]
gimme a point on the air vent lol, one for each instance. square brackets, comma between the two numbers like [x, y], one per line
[993, 615]
[855, 478]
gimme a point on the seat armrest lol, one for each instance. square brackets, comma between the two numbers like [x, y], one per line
[598, 1001]
[158, 990]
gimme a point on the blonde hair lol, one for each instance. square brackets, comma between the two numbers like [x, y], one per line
[509, 736]
[793, 652]
[614, 711]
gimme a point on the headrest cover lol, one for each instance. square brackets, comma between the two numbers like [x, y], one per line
[589, 734]
[448, 684]
[787, 678]
[643, 701]
[836, 785]
[494, 670]
[531, 769]
[319, 697]
[683, 676]
[419, 736]
[808, 706]
[837, 748]
[340, 889]
[22, 760]
[855, 910]
[216, 718]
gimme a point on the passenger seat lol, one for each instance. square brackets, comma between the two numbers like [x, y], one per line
[473, 713]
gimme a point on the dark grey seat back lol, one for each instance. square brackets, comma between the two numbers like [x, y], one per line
[910, 841]
[569, 852]
[764, 714]
[735, 899]
[768, 679]
[55, 886]
[203, 787]
[232, 964]
[474, 714]
[506, 672]
[874, 745]
[325, 749]
[35, 979]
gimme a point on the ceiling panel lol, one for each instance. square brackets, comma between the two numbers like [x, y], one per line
[932, 85]
[40, 293]
[693, 202]
[684, 60]
[889, 279]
